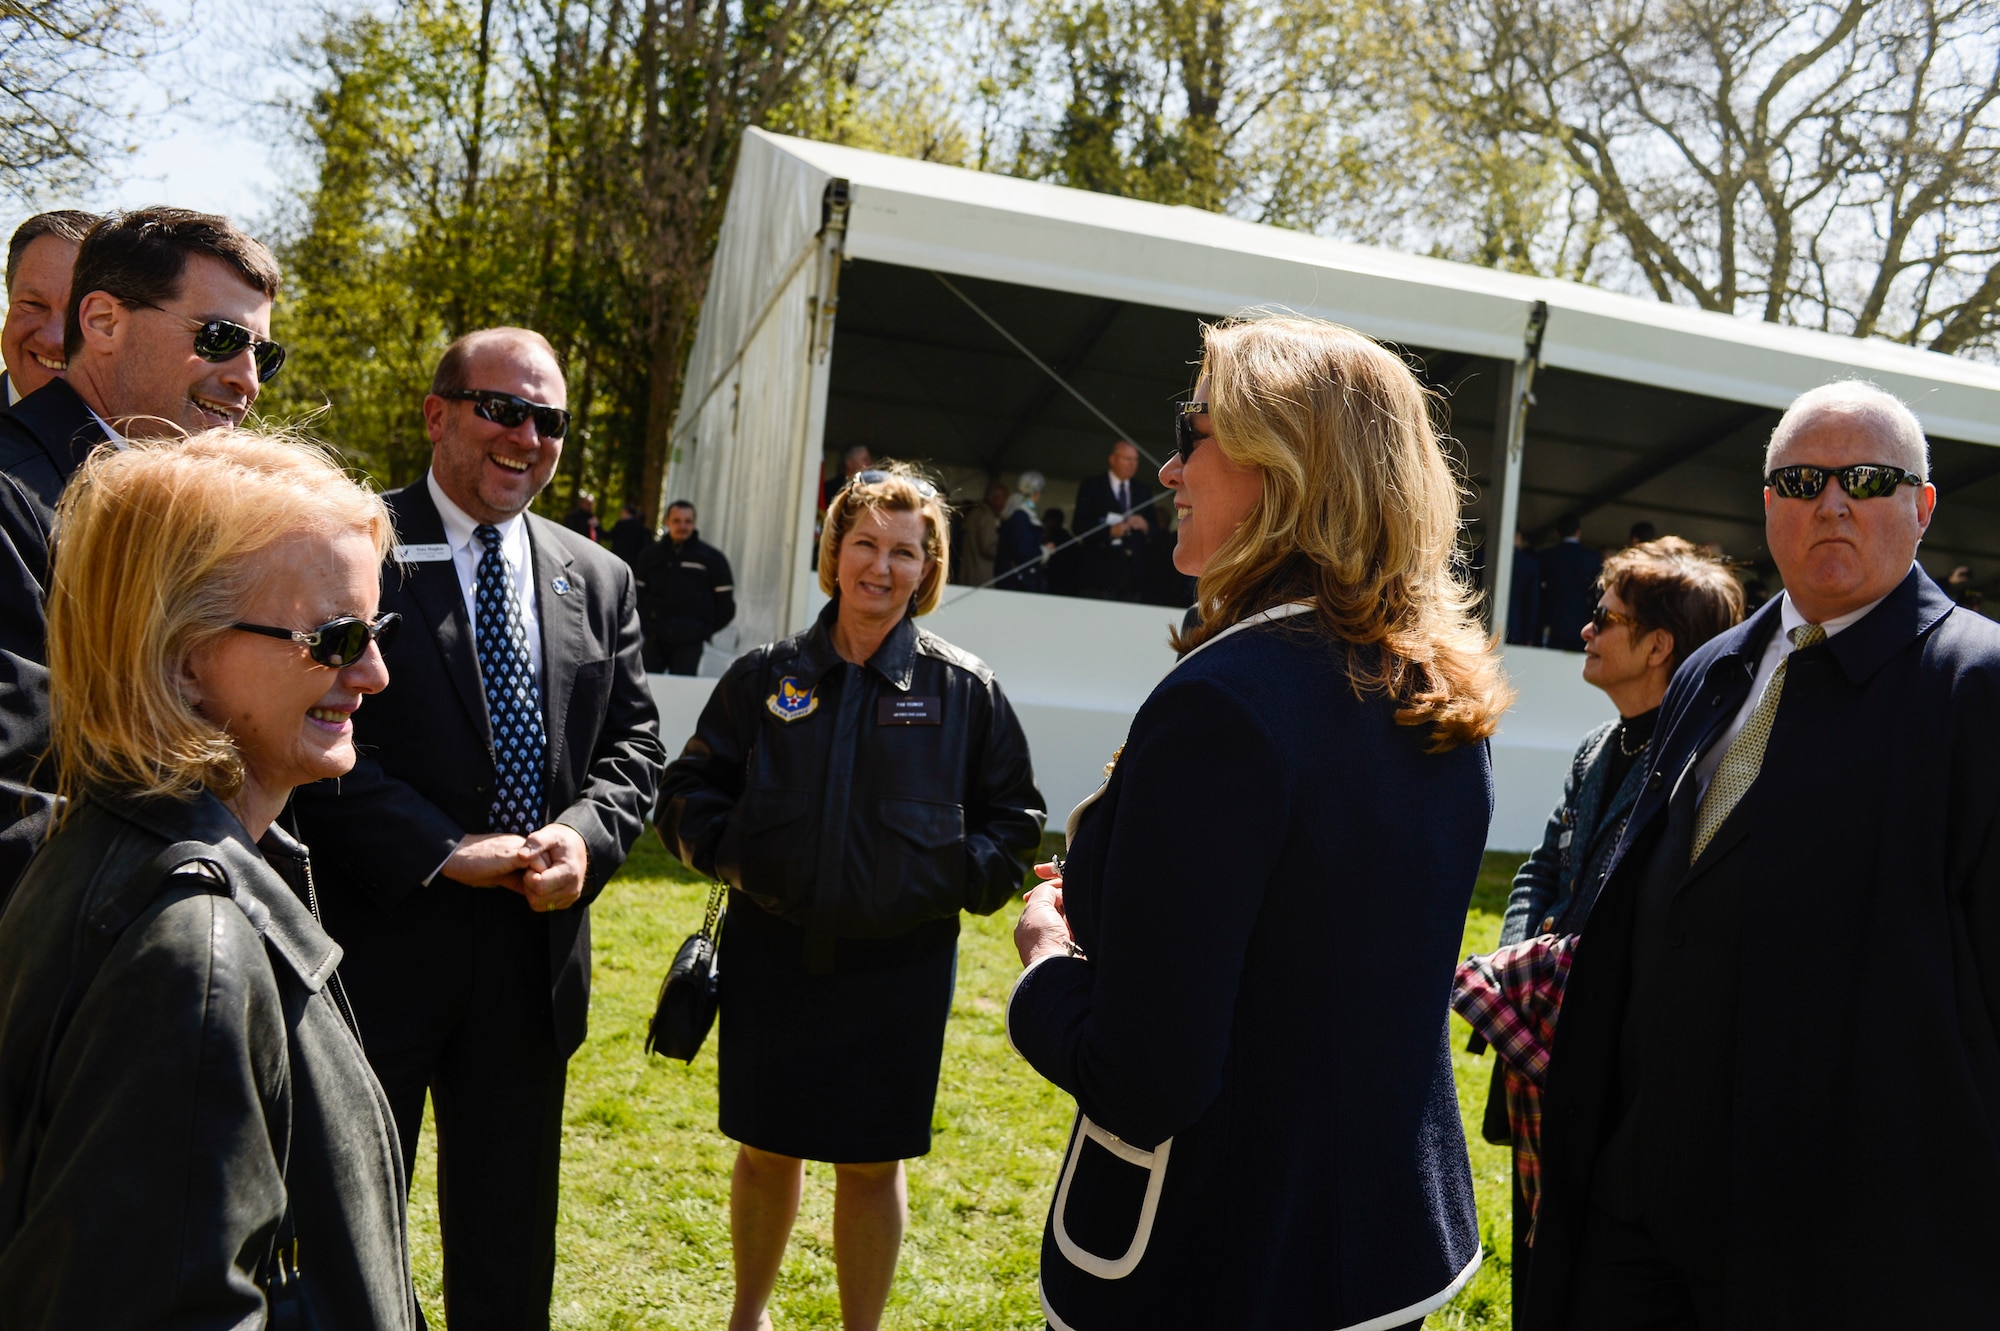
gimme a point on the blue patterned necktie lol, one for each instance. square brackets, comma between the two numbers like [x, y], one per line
[513, 694]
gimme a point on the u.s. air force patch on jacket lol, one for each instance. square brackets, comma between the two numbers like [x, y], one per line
[792, 703]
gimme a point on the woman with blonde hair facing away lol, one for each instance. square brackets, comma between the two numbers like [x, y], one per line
[189, 1132]
[858, 785]
[1240, 970]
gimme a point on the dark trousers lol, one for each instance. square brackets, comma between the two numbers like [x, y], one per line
[467, 1018]
[1624, 1282]
[1113, 573]
[673, 658]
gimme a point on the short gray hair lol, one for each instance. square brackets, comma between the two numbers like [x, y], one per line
[1886, 413]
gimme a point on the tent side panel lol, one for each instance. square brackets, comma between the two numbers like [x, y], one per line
[739, 465]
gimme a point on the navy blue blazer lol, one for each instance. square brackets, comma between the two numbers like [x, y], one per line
[1271, 891]
[1823, 1055]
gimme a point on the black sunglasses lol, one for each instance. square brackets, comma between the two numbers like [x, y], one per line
[338, 642]
[923, 487]
[507, 411]
[1186, 437]
[1864, 480]
[219, 340]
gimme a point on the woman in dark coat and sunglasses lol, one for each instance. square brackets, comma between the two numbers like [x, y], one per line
[858, 785]
[1240, 970]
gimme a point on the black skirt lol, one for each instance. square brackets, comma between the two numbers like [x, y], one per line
[831, 1055]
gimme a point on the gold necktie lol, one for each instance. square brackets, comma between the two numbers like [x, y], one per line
[1746, 752]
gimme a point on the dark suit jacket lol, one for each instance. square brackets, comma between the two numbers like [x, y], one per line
[43, 439]
[1094, 502]
[1569, 592]
[1816, 1046]
[425, 777]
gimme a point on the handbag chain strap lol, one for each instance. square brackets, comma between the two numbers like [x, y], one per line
[714, 912]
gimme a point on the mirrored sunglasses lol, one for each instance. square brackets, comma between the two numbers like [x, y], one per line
[219, 340]
[507, 411]
[1864, 480]
[338, 642]
[1186, 437]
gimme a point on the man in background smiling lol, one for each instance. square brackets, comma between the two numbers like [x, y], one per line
[39, 260]
[167, 332]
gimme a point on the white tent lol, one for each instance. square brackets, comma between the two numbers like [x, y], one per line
[984, 323]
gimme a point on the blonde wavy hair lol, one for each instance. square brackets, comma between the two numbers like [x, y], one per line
[903, 489]
[157, 548]
[1360, 513]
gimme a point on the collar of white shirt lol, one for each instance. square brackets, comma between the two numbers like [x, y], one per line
[111, 436]
[460, 528]
[1789, 617]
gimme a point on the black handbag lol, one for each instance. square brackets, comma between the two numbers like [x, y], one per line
[686, 1007]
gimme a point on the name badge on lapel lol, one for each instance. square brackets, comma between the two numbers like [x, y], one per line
[423, 554]
[792, 703]
[910, 711]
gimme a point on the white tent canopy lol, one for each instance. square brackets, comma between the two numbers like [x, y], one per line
[1642, 409]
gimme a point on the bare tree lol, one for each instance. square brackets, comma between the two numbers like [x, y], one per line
[1833, 163]
[53, 94]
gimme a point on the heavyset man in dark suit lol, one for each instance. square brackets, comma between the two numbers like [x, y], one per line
[40, 257]
[1784, 1028]
[506, 772]
[152, 297]
[1112, 518]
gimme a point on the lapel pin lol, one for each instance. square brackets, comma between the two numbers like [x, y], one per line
[561, 586]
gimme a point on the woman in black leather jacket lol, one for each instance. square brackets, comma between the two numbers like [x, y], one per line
[189, 1132]
[858, 785]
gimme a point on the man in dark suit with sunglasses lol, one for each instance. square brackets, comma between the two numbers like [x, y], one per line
[1785, 1025]
[167, 332]
[506, 772]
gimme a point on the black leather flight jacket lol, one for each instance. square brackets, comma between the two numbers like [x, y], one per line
[857, 801]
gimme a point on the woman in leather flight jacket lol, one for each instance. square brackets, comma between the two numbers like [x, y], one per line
[857, 785]
[189, 1132]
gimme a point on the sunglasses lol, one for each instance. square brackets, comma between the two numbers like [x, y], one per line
[507, 411]
[1186, 437]
[1864, 480]
[219, 340]
[1603, 617]
[338, 642]
[923, 487]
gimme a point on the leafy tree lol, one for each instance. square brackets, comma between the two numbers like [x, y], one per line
[561, 164]
[54, 109]
[1831, 163]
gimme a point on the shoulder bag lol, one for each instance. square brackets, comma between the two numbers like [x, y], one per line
[686, 1007]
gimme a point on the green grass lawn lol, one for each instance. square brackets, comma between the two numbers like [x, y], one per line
[644, 1235]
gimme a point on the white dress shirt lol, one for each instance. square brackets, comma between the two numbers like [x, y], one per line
[467, 551]
[1120, 508]
[1775, 651]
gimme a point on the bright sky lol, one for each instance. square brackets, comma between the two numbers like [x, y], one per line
[198, 116]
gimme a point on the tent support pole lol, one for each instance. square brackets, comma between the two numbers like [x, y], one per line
[1517, 394]
[821, 306]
